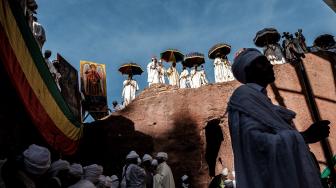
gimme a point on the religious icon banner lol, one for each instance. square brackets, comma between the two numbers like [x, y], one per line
[93, 86]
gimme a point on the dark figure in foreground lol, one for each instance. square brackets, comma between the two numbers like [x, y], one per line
[268, 150]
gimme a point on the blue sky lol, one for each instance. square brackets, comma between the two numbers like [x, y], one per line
[114, 32]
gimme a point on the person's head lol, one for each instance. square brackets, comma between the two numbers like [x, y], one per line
[161, 157]
[174, 64]
[147, 160]
[34, 18]
[47, 54]
[225, 173]
[36, 160]
[296, 34]
[251, 66]
[114, 103]
[184, 67]
[195, 66]
[92, 172]
[59, 166]
[130, 76]
[132, 157]
[93, 66]
[75, 173]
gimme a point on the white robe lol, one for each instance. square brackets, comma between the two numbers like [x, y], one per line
[204, 80]
[162, 73]
[39, 33]
[134, 177]
[56, 75]
[222, 70]
[268, 150]
[128, 93]
[195, 78]
[153, 73]
[173, 76]
[274, 54]
[164, 177]
[184, 78]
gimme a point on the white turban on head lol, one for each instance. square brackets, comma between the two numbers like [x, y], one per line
[162, 155]
[36, 159]
[57, 166]
[115, 181]
[108, 181]
[184, 177]
[132, 155]
[225, 172]
[92, 172]
[154, 162]
[244, 58]
[147, 157]
[76, 170]
[83, 184]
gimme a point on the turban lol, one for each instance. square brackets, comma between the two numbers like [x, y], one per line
[36, 159]
[108, 182]
[162, 155]
[92, 172]
[132, 155]
[147, 157]
[76, 170]
[154, 162]
[243, 59]
[101, 180]
[184, 177]
[57, 166]
[114, 178]
[225, 172]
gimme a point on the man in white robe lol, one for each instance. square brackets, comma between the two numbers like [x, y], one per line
[184, 78]
[129, 90]
[162, 72]
[195, 78]
[153, 72]
[173, 76]
[133, 175]
[164, 176]
[203, 77]
[55, 74]
[222, 70]
[274, 54]
[268, 150]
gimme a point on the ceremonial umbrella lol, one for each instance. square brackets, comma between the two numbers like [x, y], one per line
[172, 55]
[324, 41]
[220, 48]
[130, 68]
[266, 36]
[194, 58]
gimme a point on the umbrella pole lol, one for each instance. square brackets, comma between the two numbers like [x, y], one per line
[328, 154]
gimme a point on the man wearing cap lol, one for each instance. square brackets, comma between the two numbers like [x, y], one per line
[133, 176]
[268, 150]
[147, 165]
[164, 176]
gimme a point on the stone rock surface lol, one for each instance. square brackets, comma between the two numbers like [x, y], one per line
[165, 118]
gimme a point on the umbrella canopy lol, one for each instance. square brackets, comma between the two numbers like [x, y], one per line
[324, 41]
[172, 55]
[194, 58]
[130, 68]
[220, 48]
[266, 36]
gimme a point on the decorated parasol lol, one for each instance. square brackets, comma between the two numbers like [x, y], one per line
[324, 41]
[266, 36]
[130, 68]
[172, 55]
[220, 48]
[194, 58]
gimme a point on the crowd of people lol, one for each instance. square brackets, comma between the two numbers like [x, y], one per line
[34, 169]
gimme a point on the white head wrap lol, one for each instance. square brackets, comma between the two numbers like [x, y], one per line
[162, 155]
[147, 157]
[76, 170]
[108, 181]
[244, 58]
[139, 160]
[57, 166]
[184, 177]
[132, 155]
[83, 184]
[225, 172]
[92, 172]
[36, 159]
[154, 162]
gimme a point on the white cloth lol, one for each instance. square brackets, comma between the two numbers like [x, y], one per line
[132, 155]
[162, 155]
[153, 73]
[83, 184]
[36, 159]
[115, 181]
[225, 172]
[147, 157]
[92, 172]
[268, 151]
[164, 177]
[274, 54]
[56, 75]
[195, 78]
[203, 77]
[184, 78]
[222, 70]
[242, 60]
[162, 73]
[57, 166]
[76, 170]
[39, 33]
[134, 177]
[154, 162]
[173, 76]
[129, 90]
